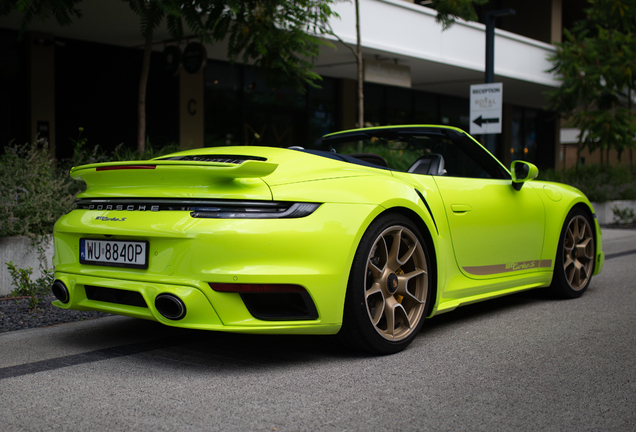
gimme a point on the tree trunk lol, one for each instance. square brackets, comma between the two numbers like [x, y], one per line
[601, 151]
[143, 84]
[360, 68]
[631, 144]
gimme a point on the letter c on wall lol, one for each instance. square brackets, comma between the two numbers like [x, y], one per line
[192, 107]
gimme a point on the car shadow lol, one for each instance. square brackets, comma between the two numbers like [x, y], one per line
[170, 347]
[489, 307]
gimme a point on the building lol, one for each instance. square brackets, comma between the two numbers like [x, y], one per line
[86, 75]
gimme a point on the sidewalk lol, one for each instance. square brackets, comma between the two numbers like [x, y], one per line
[44, 343]
[618, 240]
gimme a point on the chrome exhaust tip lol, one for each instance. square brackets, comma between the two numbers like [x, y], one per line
[170, 306]
[60, 291]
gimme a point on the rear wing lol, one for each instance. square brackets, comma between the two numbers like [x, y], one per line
[247, 169]
[170, 177]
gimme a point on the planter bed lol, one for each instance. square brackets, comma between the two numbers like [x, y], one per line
[15, 314]
[604, 213]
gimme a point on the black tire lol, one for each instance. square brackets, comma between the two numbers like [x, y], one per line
[576, 254]
[397, 279]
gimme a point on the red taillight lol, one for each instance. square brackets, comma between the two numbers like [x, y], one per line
[123, 167]
[256, 288]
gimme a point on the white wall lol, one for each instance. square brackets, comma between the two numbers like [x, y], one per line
[23, 254]
[404, 28]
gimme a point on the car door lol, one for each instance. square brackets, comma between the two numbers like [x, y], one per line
[495, 230]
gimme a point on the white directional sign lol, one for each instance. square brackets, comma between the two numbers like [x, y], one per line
[486, 101]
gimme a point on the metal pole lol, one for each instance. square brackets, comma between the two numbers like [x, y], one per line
[490, 48]
[490, 18]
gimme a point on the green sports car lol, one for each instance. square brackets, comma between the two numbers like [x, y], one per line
[366, 236]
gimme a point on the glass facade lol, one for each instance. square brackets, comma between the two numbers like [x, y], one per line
[385, 105]
[242, 110]
[524, 135]
[14, 115]
[533, 137]
[97, 88]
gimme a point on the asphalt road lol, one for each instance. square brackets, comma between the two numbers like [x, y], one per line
[523, 362]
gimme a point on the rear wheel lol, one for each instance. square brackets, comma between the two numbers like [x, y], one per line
[388, 287]
[575, 256]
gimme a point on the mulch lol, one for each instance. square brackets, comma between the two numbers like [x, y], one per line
[16, 315]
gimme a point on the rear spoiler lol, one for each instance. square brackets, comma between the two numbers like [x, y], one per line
[166, 178]
[247, 169]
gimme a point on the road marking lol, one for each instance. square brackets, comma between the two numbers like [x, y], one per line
[620, 254]
[88, 357]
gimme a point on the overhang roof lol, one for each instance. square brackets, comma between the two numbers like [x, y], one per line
[445, 62]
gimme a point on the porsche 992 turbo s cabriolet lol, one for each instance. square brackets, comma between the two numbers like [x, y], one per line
[366, 236]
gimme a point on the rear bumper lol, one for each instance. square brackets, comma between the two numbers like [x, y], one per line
[200, 312]
[186, 254]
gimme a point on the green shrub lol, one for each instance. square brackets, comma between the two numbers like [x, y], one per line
[123, 153]
[599, 182]
[24, 286]
[624, 216]
[33, 194]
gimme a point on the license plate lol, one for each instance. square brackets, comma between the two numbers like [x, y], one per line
[115, 253]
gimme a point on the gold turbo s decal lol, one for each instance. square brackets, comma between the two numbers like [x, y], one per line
[508, 267]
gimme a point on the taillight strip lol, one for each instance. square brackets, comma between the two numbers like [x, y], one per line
[125, 167]
[256, 288]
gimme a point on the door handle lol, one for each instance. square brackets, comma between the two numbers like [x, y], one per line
[461, 208]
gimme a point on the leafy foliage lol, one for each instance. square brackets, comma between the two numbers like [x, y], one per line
[35, 190]
[449, 10]
[33, 195]
[596, 64]
[25, 286]
[599, 183]
[278, 36]
[624, 216]
[62, 10]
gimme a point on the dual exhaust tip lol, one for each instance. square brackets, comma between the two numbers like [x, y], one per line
[60, 291]
[168, 305]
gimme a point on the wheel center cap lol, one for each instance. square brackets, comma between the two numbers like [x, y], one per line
[575, 253]
[392, 283]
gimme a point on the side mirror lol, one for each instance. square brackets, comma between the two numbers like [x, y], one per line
[522, 172]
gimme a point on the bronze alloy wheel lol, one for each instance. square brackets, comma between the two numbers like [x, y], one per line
[396, 283]
[578, 253]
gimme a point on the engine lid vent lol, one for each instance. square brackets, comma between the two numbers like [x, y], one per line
[231, 159]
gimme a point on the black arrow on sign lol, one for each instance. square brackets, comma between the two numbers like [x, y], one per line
[479, 121]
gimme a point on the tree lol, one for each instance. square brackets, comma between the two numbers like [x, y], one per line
[447, 14]
[62, 10]
[596, 64]
[281, 37]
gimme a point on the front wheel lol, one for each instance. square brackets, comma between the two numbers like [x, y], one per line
[575, 256]
[388, 290]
